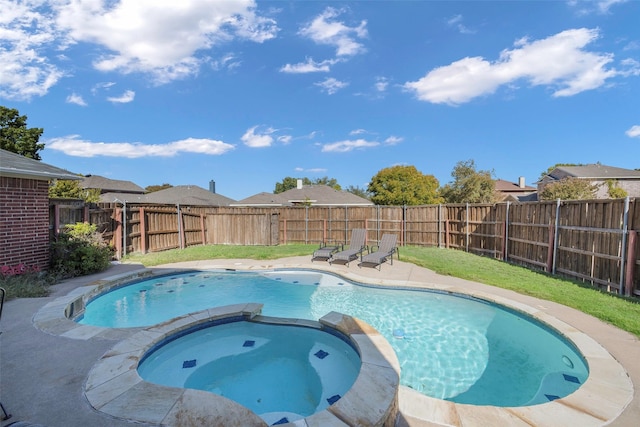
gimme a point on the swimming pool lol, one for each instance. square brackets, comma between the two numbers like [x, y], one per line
[450, 347]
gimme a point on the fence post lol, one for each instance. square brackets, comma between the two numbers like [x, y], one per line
[204, 231]
[623, 255]
[466, 228]
[306, 225]
[439, 225]
[117, 233]
[505, 244]
[180, 228]
[143, 230]
[631, 262]
[550, 248]
[555, 238]
[284, 230]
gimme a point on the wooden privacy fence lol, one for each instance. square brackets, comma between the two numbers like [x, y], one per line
[594, 241]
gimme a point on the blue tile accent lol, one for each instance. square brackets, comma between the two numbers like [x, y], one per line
[201, 286]
[249, 343]
[159, 284]
[340, 283]
[170, 291]
[142, 291]
[317, 283]
[321, 354]
[333, 399]
[188, 364]
[571, 378]
[283, 420]
[278, 278]
[552, 397]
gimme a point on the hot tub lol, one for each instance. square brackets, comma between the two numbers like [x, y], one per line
[231, 366]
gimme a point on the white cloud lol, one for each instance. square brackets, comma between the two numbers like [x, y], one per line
[605, 5]
[331, 85]
[164, 39]
[381, 84]
[25, 33]
[348, 145]
[74, 146]
[311, 170]
[393, 140]
[326, 30]
[358, 132]
[74, 98]
[633, 132]
[456, 22]
[559, 61]
[125, 98]
[310, 66]
[258, 140]
[285, 139]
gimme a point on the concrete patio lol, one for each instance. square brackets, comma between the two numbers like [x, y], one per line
[43, 374]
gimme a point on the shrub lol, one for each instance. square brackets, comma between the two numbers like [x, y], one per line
[80, 250]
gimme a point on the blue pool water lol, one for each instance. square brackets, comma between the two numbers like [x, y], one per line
[449, 347]
[278, 371]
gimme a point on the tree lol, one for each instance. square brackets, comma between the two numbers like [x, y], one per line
[358, 191]
[403, 185]
[289, 183]
[569, 188]
[152, 188]
[16, 137]
[615, 191]
[71, 189]
[469, 185]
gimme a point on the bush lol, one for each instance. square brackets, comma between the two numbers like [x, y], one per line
[23, 281]
[80, 250]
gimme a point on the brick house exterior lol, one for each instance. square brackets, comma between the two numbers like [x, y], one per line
[24, 209]
[599, 175]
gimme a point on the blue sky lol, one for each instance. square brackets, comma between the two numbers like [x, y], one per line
[249, 92]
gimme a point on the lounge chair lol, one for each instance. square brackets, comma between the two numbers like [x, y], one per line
[385, 251]
[356, 247]
[326, 250]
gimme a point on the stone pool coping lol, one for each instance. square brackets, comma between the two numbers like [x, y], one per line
[115, 387]
[603, 397]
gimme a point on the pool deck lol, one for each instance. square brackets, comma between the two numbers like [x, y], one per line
[43, 374]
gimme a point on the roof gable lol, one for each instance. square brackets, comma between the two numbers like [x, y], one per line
[107, 185]
[187, 195]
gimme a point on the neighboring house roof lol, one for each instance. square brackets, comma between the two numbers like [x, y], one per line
[315, 195]
[261, 199]
[596, 171]
[512, 187]
[187, 195]
[16, 166]
[106, 185]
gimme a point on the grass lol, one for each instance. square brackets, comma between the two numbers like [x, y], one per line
[623, 313]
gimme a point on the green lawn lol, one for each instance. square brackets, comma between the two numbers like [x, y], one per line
[620, 312]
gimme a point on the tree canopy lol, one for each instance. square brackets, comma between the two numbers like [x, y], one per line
[152, 188]
[469, 185]
[403, 185]
[569, 188]
[70, 189]
[16, 137]
[358, 191]
[289, 183]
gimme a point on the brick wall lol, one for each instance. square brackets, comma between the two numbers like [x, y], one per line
[24, 222]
